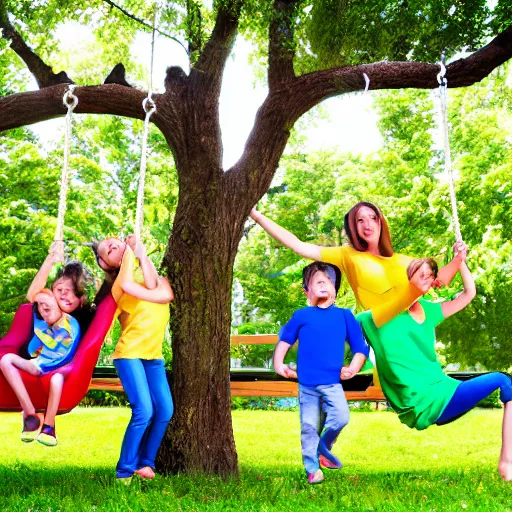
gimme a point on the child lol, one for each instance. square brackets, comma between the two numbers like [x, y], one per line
[411, 377]
[56, 336]
[321, 329]
[142, 298]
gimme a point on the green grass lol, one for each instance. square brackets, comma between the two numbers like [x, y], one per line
[387, 467]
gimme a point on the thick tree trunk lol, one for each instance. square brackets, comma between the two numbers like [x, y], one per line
[199, 261]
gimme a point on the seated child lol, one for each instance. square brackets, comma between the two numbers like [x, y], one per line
[411, 376]
[56, 336]
[322, 329]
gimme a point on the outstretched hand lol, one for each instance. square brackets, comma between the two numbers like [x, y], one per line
[460, 250]
[56, 252]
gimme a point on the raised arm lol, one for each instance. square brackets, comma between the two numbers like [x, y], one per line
[148, 268]
[448, 272]
[461, 301]
[162, 294]
[304, 249]
[55, 255]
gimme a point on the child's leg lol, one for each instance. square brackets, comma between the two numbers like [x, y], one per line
[163, 410]
[471, 391]
[56, 385]
[337, 417]
[47, 435]
[11, 364]
[309, 401]
[133, 377]
[505, 463]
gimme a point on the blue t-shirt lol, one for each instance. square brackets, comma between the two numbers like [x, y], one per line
[322, 334]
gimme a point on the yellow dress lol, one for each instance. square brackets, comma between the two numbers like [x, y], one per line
[143, 323]
[379, 283]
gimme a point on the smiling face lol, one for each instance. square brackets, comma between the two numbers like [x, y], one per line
[320, 290]
[110, 253]
[368, 226]
[64, 291]
[423, 278]
[47, 307]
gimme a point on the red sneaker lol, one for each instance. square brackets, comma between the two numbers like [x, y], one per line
[326, 463]
[316, 478]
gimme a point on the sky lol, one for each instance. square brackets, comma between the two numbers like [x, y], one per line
[350, 123]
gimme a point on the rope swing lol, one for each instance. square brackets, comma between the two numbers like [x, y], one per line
[443, 88]
[149, 107]
[70, 101]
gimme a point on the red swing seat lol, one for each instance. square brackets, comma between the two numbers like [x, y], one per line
[77, 373]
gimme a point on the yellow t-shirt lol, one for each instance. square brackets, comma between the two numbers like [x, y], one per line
[379, 283]
[143, 323]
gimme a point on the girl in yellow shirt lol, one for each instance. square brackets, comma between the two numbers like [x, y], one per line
[142, 298]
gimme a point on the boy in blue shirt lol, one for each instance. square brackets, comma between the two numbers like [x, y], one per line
[322, 329]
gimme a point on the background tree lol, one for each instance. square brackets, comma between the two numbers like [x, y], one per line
[311, 51]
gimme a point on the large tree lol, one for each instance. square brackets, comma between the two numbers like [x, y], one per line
[312, 51]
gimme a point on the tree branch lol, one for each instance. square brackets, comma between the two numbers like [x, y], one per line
[281, 43]
[285, 105]
[310, 89]
[43, 73]
[212, 60]
[142, 22]
[32, 107]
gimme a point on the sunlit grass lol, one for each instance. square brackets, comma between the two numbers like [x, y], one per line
[387, 467]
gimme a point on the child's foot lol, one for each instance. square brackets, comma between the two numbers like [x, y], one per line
[505, 470]
[326, 463]
[31, 424]
[47, 436]
[330, 460]
[316, 478]
[146, 472]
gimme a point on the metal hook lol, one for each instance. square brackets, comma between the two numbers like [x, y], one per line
[69, 99]
[367, 82]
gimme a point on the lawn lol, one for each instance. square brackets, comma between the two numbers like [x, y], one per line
[387, 467]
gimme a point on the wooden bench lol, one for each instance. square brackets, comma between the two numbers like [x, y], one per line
[257, 381]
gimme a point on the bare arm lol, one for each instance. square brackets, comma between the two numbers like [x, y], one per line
[454, 306]
[146, 265]
[304, 249]
[162, 294]
[55, 255]
[448, 272]
[347, 372]
[279, 366]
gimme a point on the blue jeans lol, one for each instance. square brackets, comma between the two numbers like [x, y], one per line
[471, 391]
[145, 384]
[315, 437]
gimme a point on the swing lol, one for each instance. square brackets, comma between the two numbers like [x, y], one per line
[78, 372]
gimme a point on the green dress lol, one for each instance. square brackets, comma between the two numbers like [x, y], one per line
[410, 374]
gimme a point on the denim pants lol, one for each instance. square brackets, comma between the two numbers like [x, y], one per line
[145, 384]
[471, 391]
[318, 402]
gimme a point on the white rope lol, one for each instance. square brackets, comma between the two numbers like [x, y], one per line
[443, 88]
[149, 107]
[70, 101]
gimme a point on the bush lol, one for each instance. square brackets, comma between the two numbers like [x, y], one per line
[102, 398]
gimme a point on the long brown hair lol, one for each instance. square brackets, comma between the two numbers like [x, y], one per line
[350, 227]
[110, 277]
